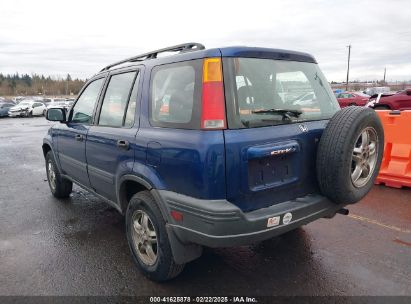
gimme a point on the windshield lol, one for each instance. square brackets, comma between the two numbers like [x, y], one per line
[258, 91]
[24, 104]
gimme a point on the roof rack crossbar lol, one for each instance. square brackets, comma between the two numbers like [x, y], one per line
[182, 48]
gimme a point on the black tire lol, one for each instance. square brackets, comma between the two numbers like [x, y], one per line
[61, 187]
[29, 114]
[336, 164]
[164, 267]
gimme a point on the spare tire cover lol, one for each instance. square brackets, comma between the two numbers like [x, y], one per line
[349, 154]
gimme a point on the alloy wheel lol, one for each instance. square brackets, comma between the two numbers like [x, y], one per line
[364, 157]
[51, 174]
[144, 237]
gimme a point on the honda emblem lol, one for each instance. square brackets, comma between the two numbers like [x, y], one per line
[303, 128]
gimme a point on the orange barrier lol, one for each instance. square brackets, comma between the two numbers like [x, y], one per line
[395, 169]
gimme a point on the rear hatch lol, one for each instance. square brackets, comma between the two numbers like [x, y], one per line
[271, 139]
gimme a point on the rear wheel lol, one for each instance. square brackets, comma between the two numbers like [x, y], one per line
[349, 154]
[59, 186]
[148, 239]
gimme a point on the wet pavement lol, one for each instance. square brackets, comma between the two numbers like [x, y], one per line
[78, 246]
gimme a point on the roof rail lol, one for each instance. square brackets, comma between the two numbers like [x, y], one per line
[182, 48]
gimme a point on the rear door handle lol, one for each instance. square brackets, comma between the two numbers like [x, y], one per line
[124, 144]
[79, 137]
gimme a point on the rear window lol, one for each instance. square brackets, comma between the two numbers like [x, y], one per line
[257, 88]
[176, 94]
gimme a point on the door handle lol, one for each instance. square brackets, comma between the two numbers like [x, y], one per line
[124, 144]
[79, 137]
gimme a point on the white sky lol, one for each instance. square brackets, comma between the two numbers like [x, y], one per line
[54, 37]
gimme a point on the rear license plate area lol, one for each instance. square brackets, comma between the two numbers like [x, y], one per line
[272, 171]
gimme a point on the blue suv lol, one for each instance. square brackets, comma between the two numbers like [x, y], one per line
[212, 147]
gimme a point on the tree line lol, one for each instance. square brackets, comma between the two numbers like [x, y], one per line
[14, 85]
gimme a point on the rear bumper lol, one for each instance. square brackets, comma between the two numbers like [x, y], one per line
[219, 223]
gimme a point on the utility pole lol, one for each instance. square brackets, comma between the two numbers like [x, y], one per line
[385, 70]
[348, 67]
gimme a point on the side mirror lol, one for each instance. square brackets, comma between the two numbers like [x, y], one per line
[56, 114]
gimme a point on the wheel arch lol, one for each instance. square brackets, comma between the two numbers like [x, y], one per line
[129, 185]
[46, 147]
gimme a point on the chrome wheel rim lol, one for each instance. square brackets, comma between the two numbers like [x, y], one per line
[144, 237]
[364, 157]
[52, 175]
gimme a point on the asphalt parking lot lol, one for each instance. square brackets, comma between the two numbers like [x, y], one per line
[78, 246]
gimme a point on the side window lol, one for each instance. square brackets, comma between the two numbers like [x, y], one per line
[175, 91]
[115, 102]
[131, 108]
[83, 109]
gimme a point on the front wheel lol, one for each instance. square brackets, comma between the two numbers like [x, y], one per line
[148, 239]
[59, 186]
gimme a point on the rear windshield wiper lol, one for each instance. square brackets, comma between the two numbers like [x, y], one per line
[285, 113]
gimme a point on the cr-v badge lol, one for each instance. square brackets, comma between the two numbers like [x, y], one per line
[303, 128]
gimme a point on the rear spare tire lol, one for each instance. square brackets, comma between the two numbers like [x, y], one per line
[349, 154]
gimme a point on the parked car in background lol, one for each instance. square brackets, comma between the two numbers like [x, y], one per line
[5, 107]
[352, 99]
[27, 108]
[17, 99]
[398, 101]
[307, 99]
[58, 103]
[47, 100]
[70, 101]
[338, 91]
[376, 90]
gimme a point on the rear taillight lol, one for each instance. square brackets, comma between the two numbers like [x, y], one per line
[213, 105]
